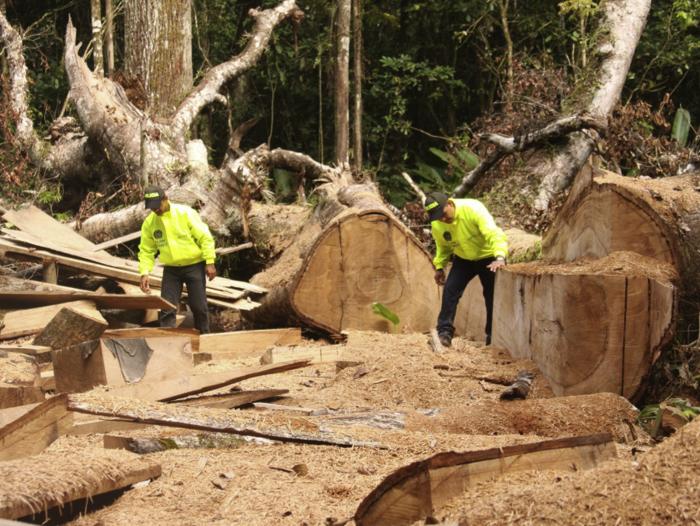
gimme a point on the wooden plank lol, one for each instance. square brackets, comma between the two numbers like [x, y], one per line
[287, 429]
[244, 344]
[154, 332]
[34, 221]
[83, 366]
[32, 432]
[10, 414]
[233, 400]
[120, 269]
[103, 301]
[36, 484]
[31, 321]
[232, 250]
[41, 353]
[117, 241]
[48, 382]
[290, 409]
[416, 491]
[191, 385]
[314, 354]
[96, 426]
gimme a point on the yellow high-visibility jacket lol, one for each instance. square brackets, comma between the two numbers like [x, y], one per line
[473, 234]
[179, 236]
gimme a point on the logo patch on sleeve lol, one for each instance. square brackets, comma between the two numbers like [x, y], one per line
[158, 234]
[447, 236]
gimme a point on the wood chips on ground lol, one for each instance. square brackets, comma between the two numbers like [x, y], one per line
[416, 403]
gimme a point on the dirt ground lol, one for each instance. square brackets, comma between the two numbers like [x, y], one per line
[414, 403]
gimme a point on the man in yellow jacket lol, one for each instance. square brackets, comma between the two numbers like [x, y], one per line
[464, 231]
[185, 248]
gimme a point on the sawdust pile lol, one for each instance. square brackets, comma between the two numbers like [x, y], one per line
[426, 403]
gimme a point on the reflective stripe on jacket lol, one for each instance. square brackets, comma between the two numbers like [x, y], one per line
[473, 234]
[179, 236]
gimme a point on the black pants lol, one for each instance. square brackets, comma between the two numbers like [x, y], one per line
[462, 272]
[171, 289]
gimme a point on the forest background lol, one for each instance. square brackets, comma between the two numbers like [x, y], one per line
[435, 73]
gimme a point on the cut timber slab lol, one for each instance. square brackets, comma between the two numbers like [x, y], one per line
[314, 354]
[35, 484]
[31, 321]
[13, 413]
[153, 332]
[41, 353]
[19, 381]
[104, 301]
[86, 365]
[36, 429]
[191, 385]
[418, 490]
[233, 400]
[94, 426]
[282, 428]
[590, 326]
[243, 344]
[71, 326]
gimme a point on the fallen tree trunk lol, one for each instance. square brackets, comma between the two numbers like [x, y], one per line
[593, 326]
[657, 218]
[352, 253]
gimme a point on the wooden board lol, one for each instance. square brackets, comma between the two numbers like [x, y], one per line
[39, 483]
[10, 414]
[41, 353]
[244, 344]
[153, 332]
[233, 400]
[191, 385]
[171, 359]
[313, 354]
[16, 299]
[287, 429]
[418, 490]
[31, 321]
[36, 222]
[94, 426]
[36, 429]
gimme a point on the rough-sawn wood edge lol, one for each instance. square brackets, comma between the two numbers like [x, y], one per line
[421, 469]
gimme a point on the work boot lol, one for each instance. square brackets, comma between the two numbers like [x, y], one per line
[445, 339]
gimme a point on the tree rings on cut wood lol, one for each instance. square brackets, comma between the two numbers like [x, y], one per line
[363, 257]
[591, 326]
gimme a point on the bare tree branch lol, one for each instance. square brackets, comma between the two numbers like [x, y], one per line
[207, 90]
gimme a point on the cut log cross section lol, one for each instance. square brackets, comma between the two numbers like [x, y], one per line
[590, 327]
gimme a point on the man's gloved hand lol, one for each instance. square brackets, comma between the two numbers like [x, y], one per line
[145, 284]
[211, 271]
[440, 277]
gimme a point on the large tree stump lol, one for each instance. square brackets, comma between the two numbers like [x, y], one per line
[591, 326]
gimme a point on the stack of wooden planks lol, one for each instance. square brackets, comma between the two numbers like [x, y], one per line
[40, 237]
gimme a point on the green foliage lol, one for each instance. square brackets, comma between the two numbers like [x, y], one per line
[681, 127]
[651, 416]
[386, 313]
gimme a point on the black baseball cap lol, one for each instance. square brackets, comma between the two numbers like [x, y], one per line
[434, 205]
[153, 196]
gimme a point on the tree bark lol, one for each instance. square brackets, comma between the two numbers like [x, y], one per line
[96, 17]
[342, 76]
[621, 26]
[158, 50]
[358, 55]
[109, 36]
